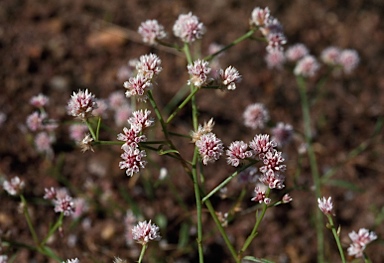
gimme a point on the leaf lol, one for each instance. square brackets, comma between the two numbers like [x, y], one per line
[161, 152]
[259, 260]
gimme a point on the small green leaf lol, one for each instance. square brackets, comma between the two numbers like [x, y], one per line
[161, 152]
[259, 260]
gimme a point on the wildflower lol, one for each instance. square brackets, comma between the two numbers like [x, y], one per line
[136, 86]
[325, 205]
[140, 120]
[255, 116]
[238, 150]
[260, 16]
[359, 241]
[86, 143]
[276, 41]
[64, 204]
[50, 193]
[144, 232]
[150, 31]
[198, 72]
[149, 66]
[282, 133]
[81, 104]
[133, 159]
[75, 260]
[306, 67]
[3, 259]
[286, 199]
[275, 59]
[349, 60]
[260, 195]
[14, 186]
[77, 131]
[201, 130]
[273, 27]
[296, 52]
[261, 144]
[274, 179]
[43, 142]
[210, 148]
[188, 28]
[230, 77]
[35, 121]
[330, 56]
[272, 161]
[39, 101]
[131, 137]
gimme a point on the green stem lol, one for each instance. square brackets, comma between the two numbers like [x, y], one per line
[53, 229]
[143, 248]
[337, 238]
[108, 143]
[98, 128]
[181, 106]
[91, 130]
[313, 165]
[29, 221]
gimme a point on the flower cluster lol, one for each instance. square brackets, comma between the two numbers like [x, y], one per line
[255, 116]
[61, 200]
[325, 205]
[347, 59]
[82, 104]
[359, 241]
[151, 31]
[144, 232]
[229, 77]
[198, 72]
[188, 28]
[14, 186]
[210, 148]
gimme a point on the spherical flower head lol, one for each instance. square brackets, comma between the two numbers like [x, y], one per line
[150, 31]
[330, 56]
[201, 130]
[131, 137]
[275, 59]
[137, 86]
[282, 133]
[255, 116]
[188, 28]
[35, 121]
[260, 195]
[149, 66]
[272, 160]
[198, 72]
[77, 131]
[43, 143]
[229, 77]
[273, 179]
[296, 52]
[81, 104]
[273, 26]
[237, 151]
[140, 120]
[75, 260]
[261, 145]
[144, 232]
[210, 148]
[325, 205]
[276, 41]
[64, 204]
[359, 241]
[39, 101]
[133, 159]
[306, 67]
[14, 186]
[349, 60]
[260, 16]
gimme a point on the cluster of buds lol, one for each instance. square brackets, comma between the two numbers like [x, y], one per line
[61, 200]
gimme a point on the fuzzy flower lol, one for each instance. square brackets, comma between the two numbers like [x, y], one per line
[260, 17]
[230, 77]
[64, 204]
[325, 205]
[81, 104]
[50, 193]
[286, 199]
[296, 52]
[75, 260]
[198, 72]
[238, 150]
[43, 143]
[150, 31]
[149, 66]
[260, 195]
[39, 101]
[261, 144]
[330, 56]
[86, 143]
[133, 159]
[272, 27]
[255, 116]
[276, 41]
[136, 86]
[3, 259]
[140, 120]
[349, 60]
[275, 59]
[144, 232]
[282, 133]
[77, 131]
[117, 100]
[359, 241]
[201, 130]
[210, 148]
[306, 67]
[131, 137]
[273, 179]
[14, 186]
[35, 121]
[272, 161]
[188, 28]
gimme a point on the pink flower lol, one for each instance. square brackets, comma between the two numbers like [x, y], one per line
[75, 260]
[330, 56]
[136, 86]
[39, 101]
[82, 104]
[140, 120]
[230, 77]
[150, 31]
[43, 142]
[276, 41]
[198, 72]
[359, 241]
[188, 28]
[282, 133]
[349, 60]
[261, 144]
[3, 259]
[260, 196]
[149, 66]
[144, 232]
[306, 67]
[202, 129]
[325, 205]
[272, 161]
[131, 137]
[50, 193]
[286, 199]
[210, 148]
[14, 186]
[122, 114]
[255, 116]
[273, 179]
[238, 150]
[117, 100]
[133, 159]
[86, 143]
[275, 59]
[260, 16]
[35, 121]
[64, 204]
[77, 131]
[296, 52]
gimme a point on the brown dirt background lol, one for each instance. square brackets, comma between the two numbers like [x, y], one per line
[56, 47]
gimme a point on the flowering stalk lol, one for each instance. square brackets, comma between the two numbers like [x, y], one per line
[313, 164]
[53, 229]
[336, 236]
[181, 106]
[28, 218]
[143, 249]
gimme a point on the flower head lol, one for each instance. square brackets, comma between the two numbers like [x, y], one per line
[325, 205]
[198, 72]
[149, 66]
[210, 148]
[14, 186]
[64, 204]
[43, 142]
[81, 104]
[296, 52]
[260, 17]
[282, 133]
[140, 120]
[150, 31]
[261, 144]
[238, 150]
[188, 28]
[307, 66]
[131, 137]
[39, 101]
[260, 195]
[349, 60]
[86, 143]
[330, 56]
[35, 121]
[255, 116]
[230, 77]
[275, 59]
[137, 86]
[201, 130]
[144, 232]
[3, 259]
[359, 241]
[133, 159]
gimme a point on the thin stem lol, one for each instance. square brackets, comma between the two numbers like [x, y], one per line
[313, 165]
[53, 229]
[98, 128]
[29, 221]
[108, 143]
[337, 238]
[143, 249]
[181, 106]
[91, 130]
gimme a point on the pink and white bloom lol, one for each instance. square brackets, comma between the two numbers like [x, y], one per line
[255, 116]
[260, 195]
[3, 259]
[275, 59]
[282, 133]
[274, 179]
[144, 232]
[131, 137]
[229, 77]
[260, 17]
[137, 86]
[77, 131]
[43, 143]
[306, 67]
[39, 101]
[140, 120]
[237, 151]
[330, 56]
[82, 104]
[210, 148]
[198, 72]
[272, 160]
[64, 204]
[296, 52]
[150, 31]
[359, 241]
[349, 60]
[14, 186]
[35, 121]
[188, 28]
[261, 144]
[286, 199]
[86, 143]
[133, 159]
[325, 205]
[149, 66]
[276, 41]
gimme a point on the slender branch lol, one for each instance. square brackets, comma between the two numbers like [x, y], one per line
[337, 238]
[29, 221]
[181, 106]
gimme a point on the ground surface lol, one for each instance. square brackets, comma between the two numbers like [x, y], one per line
[56, 47]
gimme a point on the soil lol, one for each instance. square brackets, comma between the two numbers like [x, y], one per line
[57, 47]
